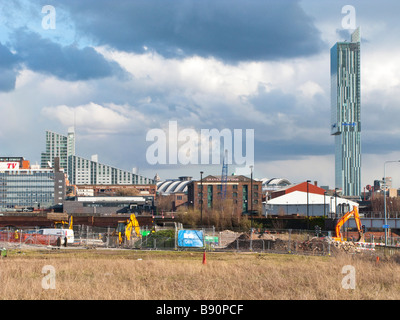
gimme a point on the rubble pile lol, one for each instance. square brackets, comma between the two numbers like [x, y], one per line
[346, 246]
[312, 246]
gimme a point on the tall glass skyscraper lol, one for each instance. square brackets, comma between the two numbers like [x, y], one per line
[346, 114]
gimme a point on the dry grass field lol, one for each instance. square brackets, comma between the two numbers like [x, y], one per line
[154, 275]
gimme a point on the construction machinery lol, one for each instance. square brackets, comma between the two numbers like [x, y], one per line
[344, 219]
[125, 228]
[62, 223]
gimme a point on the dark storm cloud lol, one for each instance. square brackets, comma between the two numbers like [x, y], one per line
[8, 69]
[274, 101]
[289, 150]
[65, 62]
[232, 30]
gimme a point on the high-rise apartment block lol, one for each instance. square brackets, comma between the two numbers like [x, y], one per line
[90, 172]
[58, 145]
[81, 171]
[346, 114]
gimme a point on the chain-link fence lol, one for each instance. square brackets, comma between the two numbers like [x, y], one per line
[28, 237]
[276, 241]
[283, 241]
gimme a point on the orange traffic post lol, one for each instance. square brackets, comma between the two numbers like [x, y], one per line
[204, 257]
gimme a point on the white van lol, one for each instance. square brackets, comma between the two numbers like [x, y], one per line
[62, 233]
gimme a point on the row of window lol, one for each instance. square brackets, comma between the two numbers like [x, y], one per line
[219, 186]
[234, 194]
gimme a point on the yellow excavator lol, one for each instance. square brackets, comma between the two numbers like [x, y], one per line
[62, 223]
[343, 220]
[125, 228]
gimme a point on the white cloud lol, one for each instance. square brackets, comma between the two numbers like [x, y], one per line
[314, 168]
[310, 88]
[92, 117]
[221, 90]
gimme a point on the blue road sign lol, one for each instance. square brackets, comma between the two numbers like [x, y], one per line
[385, 226]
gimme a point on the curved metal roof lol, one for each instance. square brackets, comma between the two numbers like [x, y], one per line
[172, 186]
[182, 187]
[275, 182]
[161, 186]
[278, 182]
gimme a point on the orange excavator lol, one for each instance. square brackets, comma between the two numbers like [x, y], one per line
[343, 220]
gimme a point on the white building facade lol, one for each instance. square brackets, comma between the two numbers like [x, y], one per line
[296, 203]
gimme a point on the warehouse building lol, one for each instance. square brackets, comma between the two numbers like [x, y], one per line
[93, 206]
[211, 191]
[306, 199]
[116, 190]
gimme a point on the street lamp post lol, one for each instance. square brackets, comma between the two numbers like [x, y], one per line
[384, 196]
[251, 198]
[308, 181]
[336, 189]
[251, 190]
[201, 201]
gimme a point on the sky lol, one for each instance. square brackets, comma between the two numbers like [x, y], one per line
[120, 70]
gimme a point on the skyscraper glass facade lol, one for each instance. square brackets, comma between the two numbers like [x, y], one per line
[346, 114]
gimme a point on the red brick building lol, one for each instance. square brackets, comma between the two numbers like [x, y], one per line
[239, 192]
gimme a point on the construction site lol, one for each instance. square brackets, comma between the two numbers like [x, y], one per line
[136, 233]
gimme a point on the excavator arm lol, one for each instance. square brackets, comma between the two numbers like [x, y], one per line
[125, 228]
[344, 219]
[132, 224]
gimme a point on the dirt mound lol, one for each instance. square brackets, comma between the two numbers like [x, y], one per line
[314, 245]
